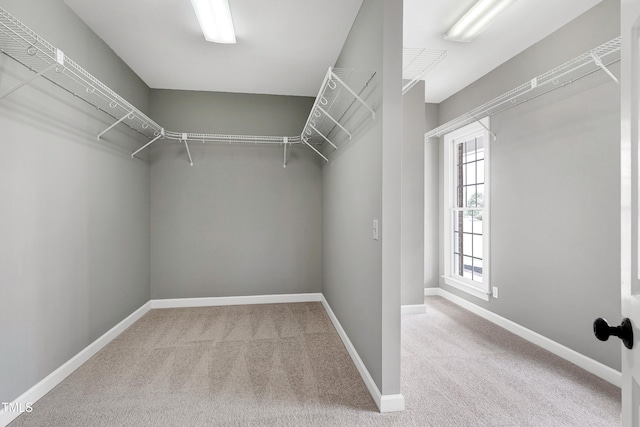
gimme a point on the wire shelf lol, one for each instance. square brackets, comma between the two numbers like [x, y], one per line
[418, 62]
[23, 45]
[339, 97]
[581, 66]
[334, 102]
[26, 47]
[221, 138]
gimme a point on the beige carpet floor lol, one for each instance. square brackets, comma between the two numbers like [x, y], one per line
[461, 370]
[284, 365]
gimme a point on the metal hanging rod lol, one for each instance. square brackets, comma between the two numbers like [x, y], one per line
[23, 45]
[581, 66]
[238, 139]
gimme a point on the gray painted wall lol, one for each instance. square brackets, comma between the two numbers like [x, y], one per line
[237, 222]
[360, 284]
[413, 195]
[74, 252]
[431, 200]
[555, 198]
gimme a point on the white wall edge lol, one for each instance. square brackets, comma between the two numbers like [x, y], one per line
[413, 309]
[385, 403]
[56, 377]
[239, 300]
[596, 368]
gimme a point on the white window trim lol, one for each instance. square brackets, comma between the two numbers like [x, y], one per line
[479, 290]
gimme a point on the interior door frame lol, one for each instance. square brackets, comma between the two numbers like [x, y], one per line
[629, 163]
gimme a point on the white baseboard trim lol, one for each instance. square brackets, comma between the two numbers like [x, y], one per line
[241, 300]
[429, 292]
[596, 368]
[385, 403]
[32, 395]
[413, 309]
[391, 403]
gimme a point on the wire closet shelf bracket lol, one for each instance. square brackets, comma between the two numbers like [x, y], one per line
[599, 58]
[23, 45]
[340, 94]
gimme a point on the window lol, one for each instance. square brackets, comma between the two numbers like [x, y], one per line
[466, 209]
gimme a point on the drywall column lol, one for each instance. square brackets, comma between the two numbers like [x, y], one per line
[431, 200]
[391, 197]
[362, 183]
[413, 195]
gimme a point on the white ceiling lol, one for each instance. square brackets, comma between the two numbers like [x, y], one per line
[285, 46]
[522, 25]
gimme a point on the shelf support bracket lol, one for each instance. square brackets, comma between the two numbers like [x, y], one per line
[493, 135]
[161, 135]
[324, 137]
[285, 141]
[186, 145]
[334, 121]
[129, 115]
[339, 80]
[26, 82]
[306, 142]
[598, 62]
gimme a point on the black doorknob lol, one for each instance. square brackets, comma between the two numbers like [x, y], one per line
[603, 331]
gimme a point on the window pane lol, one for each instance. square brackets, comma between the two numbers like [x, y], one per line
[465, 225]
[468, 267]
[471, 196]
[477, 223]
[470, 151]
[468, 216]
[477, 246]
[467, 244]
[478, 270]
[470, 173]
[479, 196]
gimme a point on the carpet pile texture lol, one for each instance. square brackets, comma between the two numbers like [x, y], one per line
[284, 365]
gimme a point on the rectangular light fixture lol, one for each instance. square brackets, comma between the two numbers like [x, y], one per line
[215, 20]
[477, 19]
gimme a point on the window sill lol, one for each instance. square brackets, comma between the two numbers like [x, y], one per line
[464, 287]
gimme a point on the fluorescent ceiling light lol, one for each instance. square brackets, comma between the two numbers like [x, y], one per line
[215, 20]
[477, 19]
